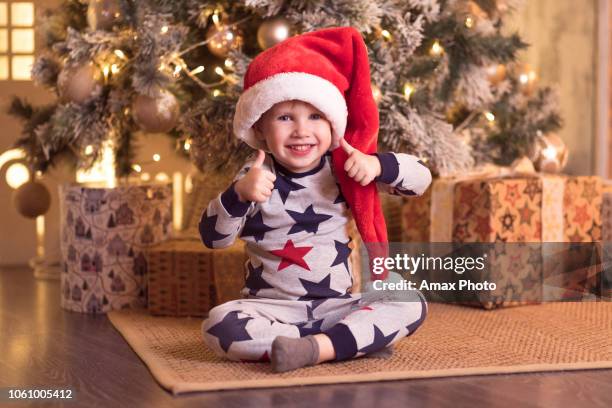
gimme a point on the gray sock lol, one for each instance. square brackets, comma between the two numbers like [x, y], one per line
[385, 353]
[289, 353]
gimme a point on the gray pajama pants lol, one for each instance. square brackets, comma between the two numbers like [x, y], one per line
[357, 324]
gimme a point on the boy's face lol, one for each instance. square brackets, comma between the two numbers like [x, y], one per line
[296, 133]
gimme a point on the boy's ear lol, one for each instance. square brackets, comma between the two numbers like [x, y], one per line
[258, 132]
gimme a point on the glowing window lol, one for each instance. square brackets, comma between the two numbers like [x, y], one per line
[17, 42]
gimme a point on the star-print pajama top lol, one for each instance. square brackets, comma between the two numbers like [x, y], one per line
[297, 241]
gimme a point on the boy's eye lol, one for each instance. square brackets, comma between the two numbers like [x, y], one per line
[284, 117]
[315, 116]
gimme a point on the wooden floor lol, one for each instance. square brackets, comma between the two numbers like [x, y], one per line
[43, 345]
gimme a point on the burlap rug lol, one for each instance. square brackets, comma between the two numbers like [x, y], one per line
[454, 341]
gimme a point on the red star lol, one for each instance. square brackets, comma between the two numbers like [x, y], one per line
[467, 195]
[526, 213]
[291, 255]
[512, 194]
[483, 228]
[581, 215]
[575, 237]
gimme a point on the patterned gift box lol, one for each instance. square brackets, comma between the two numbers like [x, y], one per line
[104, 233]
[515, 209]
[188, 279]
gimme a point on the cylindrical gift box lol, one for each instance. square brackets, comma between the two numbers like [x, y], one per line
[104, 233]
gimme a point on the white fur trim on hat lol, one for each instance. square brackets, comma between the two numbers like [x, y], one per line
[287, 86]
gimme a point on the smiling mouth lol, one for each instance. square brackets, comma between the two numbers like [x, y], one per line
[301, 147]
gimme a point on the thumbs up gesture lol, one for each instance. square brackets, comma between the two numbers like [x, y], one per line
[359, 166]
[257, 184]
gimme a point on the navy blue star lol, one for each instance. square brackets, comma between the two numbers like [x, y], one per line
[307, 328]
[415, 325]
[285, 186]
[343, 251]
[307, 221]
[405, 191]
[208, 231]
[319, 291]
[255, 281]
[340, 198]
[380, 341]
[255, 227]
[230, 329]
[309, 314]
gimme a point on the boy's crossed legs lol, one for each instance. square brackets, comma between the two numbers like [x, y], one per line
[295, 333]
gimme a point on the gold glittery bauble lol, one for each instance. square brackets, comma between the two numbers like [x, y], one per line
[376, 93]
[222, 39]
[496, 73]
[156, 115]
[78, 84]
[527, 79]
[32, 199]
[272, 32]
[550, 153]
[103, 14]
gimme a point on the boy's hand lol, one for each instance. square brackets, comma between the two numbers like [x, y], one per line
[257, 184]
[361, 167]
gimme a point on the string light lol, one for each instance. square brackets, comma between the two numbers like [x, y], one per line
[408, 90]
[469, 22]
[198, 70]
[88, 150]
[145, 177]
[177, 70]
[436, 49]
[216, 93]
[164, 29]
[219, 71]
[187, 145]
[16, 175]
[161, 177]
[386, 34]
[114, 68]
[490, 116]
[215, 18]
[228, 63]
[105, 71]
[137, 168]
[120, 54]
[156, 157]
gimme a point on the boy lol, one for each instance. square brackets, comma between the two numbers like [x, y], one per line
[303, 99]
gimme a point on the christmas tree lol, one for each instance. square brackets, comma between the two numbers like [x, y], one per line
[444, 74]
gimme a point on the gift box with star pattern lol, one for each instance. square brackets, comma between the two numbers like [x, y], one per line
[188, 279]
[517, 209]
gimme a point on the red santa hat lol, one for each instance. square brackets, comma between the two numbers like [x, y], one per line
[330, 70]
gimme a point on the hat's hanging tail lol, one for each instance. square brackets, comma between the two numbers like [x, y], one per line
[362, 134]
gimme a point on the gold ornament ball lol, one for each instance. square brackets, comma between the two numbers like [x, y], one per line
[272, 32]
[78, 84]
[496, 73]
[103, 14]
[221, 39]
[527, 79]
[551, 154]
[376, 93]
[156, 115]
[32, 199]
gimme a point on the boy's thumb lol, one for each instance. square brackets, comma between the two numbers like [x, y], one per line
[261, 156]
[346, 146]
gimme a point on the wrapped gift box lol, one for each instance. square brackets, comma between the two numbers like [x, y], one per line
[104, 233]
[517, 209]
[188, 279]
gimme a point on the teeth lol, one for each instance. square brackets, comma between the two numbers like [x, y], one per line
[300, 147]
